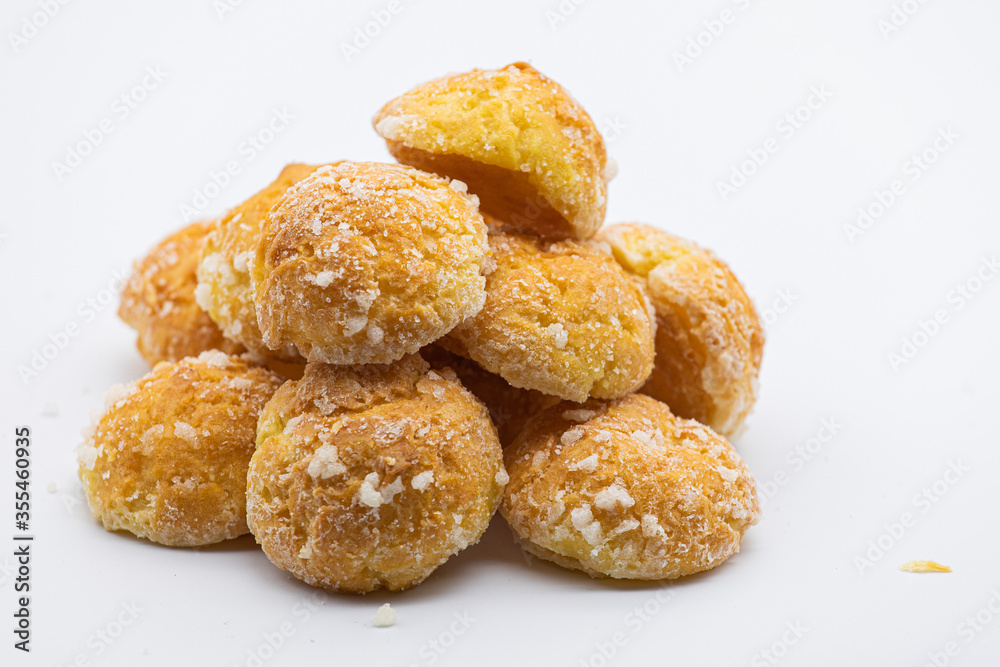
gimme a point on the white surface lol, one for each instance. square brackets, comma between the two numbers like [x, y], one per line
[826, 356]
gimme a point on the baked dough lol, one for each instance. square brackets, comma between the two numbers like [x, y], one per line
[158, 301]
[364, 262]
[369, 477]
[561, 318]
[510, 407]
[709, 340]
[521, 143]
[625, 489]
[224, 288]
[167, 459]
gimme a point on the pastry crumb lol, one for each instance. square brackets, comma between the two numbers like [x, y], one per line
[923, 566]
[385, 616]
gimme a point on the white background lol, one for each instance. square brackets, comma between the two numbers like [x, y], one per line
[680, 131]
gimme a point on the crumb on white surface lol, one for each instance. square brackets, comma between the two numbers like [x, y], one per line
[51, 487]
[385, 616]
[923, 566]
[50, 409]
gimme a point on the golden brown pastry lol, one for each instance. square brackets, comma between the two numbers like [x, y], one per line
[561, 318]
[521, 143]
[167, 459]
[369, 477]
[709, 340]
[364, 262]
[158, 301]
[509, 406]
[224, 289]
[625, 489]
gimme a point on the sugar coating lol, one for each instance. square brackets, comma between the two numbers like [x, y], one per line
[422, 480]
[167, 458]
[158, 300]
[640, 510]
[515, 138]
[385, 616]
[363, 262]
[709, 339]
[560, 318]
[417, 476]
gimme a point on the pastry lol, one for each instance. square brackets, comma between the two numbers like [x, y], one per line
[625, 489]
[167, 459]
[364, 262]
[158, 301]
[521, 143]
[709, 339]
[369, 477]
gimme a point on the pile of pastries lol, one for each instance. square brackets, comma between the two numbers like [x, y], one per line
[363, 362]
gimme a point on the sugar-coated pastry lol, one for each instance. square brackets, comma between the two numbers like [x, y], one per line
[364, 262]
[709, 340]
[521, 143]
[158, 301]
[561, 318]
[167, 459]
[509, 406]
[224, 288]
[625, 489]
[369, 477]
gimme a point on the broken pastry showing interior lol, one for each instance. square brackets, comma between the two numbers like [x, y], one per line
[167, 459]
[709, 339]
[158, 300]
[369, 477]
[224, 290]
[518, 140]
[625, 489]
[364, 262]
[561, 318]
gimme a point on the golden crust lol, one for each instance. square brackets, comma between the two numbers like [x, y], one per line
[709, 339]
[365, 262]
[510, 407]
[372, 476]
[167, 459]
[224, 287]
[561, 318]
[625, 489]
[521, 143]
[158, 301]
